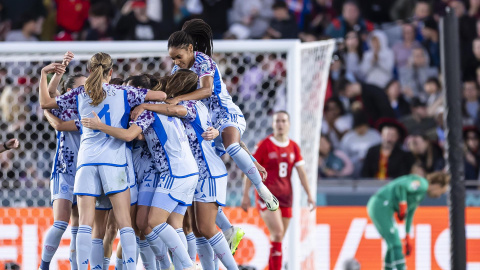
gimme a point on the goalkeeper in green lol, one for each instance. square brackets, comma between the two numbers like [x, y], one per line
[402, 196]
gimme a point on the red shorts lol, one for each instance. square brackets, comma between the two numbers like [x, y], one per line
[286, 211]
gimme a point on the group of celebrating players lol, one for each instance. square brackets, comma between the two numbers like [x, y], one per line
[142, 156]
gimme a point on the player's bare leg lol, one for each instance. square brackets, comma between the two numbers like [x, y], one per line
[275, 226]
[231, 141]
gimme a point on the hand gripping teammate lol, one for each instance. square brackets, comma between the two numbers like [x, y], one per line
[177, 175]
[62, 179]
[279, 155]
[101, 158]
[192, 48]
[402, 196]
[212, 185]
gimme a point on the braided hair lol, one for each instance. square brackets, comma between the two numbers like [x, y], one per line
[195, 32]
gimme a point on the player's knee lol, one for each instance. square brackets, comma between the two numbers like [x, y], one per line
[277, 236]
[207, 230]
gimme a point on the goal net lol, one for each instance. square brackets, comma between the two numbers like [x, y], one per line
[262, 77]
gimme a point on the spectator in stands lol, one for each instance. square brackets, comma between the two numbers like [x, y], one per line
[431, 42]
[406, 9]
[336, 121]
[28, 27]
[367, 97]
[399, 104]
[350, 20]
[100, 25]
[471, 103]
[426, 153]
[466, 30]
[471, 137]
[71, 17]
[333, 162]
[471, 65]
[403, 49]
[283, 25]
[215, 14]
[419, 122]
[415, 74]
[319, 18]
[387, 159]
[352, 54]
[356, 142]
[134, 23]
[250, 18]
[433, 89]
[378, 62]
[440, 129]
[14, 9]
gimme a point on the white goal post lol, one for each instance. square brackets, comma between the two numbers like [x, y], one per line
[304, 79]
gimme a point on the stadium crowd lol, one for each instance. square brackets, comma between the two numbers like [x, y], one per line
[384, 105]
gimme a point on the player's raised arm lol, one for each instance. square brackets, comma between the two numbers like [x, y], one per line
[205, 91]
[46, 101]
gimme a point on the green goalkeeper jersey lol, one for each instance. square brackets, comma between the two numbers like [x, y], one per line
[410, 189]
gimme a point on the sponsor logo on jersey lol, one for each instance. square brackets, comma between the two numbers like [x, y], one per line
[292, 157]
[272, 155]
[283, 154]
[203, 196]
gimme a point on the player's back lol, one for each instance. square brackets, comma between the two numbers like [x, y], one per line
[196, 122]
[413, 186]
[173, 139]
[96, 147]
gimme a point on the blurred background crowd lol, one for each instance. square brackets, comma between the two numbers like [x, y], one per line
[383, 113]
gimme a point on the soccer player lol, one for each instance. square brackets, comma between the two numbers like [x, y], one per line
[62, 179]
[402, 196]
[279, 155]
[211, 188]
[101, 158]
[174, 189]
[192, 48]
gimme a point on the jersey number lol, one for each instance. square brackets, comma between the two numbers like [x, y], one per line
[105, 113]
[282, 172]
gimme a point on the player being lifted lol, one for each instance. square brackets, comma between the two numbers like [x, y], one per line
[402, 196]
[192, 48]
[279, 155]
[212, 185]
[101, 158]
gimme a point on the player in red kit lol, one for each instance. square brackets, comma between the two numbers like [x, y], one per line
[279, 155]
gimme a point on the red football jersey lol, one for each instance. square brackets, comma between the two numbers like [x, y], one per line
[279, 159]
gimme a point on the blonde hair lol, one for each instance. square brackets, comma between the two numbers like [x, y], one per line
[99, 65]
[439, 178]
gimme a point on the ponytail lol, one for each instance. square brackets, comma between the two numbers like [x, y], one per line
[99, 65]
[195, 32]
